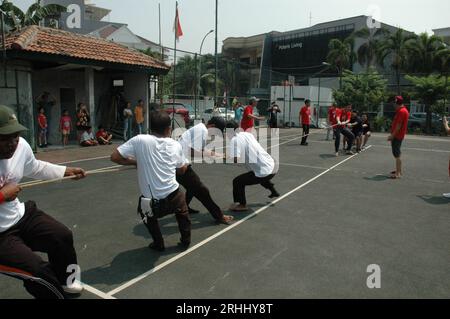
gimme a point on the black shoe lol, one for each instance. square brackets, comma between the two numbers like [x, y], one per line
[184, 244]
[193, 211]
[304, 144]
[157, 247]
[274, 194]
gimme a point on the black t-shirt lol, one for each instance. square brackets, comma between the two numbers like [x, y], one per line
[274, 110]
[367, 128]
[358, 127]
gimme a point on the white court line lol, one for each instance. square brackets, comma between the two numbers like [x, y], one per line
[304, 166]
[97, 292]
[207, 240]
[386, 146]
[84, 160]
[416, 149]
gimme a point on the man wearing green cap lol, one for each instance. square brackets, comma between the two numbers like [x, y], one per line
[23, 227]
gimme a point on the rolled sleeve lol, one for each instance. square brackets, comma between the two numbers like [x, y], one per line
[127, 149]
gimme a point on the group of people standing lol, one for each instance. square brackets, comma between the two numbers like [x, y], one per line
[134, 116]
[85, 136]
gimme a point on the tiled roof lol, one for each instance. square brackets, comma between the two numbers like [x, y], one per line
[62, 43]
[107, 31]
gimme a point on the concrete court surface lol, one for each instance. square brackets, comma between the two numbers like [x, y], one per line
[336, 216]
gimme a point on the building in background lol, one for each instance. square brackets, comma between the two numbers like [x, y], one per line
[444, 33]
[84, 17]
[276, 56]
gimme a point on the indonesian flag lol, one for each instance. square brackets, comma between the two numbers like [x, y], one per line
[177, 26]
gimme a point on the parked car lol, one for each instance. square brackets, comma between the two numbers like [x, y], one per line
[417, 121]
[192, 113]
[226, 114]
[180, 109]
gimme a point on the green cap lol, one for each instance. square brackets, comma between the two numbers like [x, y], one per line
[8, 122]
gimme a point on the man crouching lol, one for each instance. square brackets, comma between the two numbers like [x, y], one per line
[158, 159]
[24, 228]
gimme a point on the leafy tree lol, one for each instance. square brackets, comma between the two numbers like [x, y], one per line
[367, 52]
[443, 59]
[396, 46]
[16, 19]
[363, 91]
[341, 55]
[429, 90]
[424, 53]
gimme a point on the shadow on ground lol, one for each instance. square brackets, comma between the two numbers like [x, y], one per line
[377, 178]
[132, 263]
[434, 200]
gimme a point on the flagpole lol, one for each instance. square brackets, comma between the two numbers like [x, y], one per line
[174, 65]
[160, 79]
[216, 73]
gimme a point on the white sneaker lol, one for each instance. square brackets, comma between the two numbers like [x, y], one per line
[447, 195]
[75, 288]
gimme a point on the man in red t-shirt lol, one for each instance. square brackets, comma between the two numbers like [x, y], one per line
[398, 132]
[248, 119]
[305, 120]
[343, 117]
[331, 120]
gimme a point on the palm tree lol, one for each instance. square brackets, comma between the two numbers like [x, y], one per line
[423, 53]
[16, 19]
[367, 52]
[341, 55]
[396, 46]
[442, 60]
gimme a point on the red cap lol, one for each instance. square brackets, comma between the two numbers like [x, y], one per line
[399, 99]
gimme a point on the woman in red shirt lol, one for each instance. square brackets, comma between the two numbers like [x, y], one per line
[43, 127]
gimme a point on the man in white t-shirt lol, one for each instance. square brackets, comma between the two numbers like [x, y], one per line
[158, 159]
[244, 147]
[24, 228]
[195, 140]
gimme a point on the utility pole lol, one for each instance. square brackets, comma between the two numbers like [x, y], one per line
[216, 73]
[3, 45]
[174, 66]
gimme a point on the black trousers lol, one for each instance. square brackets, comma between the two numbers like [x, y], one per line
[347, 133]
[175, 203]
[195, 188]
[240, 182]
[305, 133]
[37, 231]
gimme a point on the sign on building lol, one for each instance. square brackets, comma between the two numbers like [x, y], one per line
[74, 17]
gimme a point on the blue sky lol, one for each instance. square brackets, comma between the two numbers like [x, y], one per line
[250, 17]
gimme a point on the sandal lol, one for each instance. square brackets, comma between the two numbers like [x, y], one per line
[226, 220]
